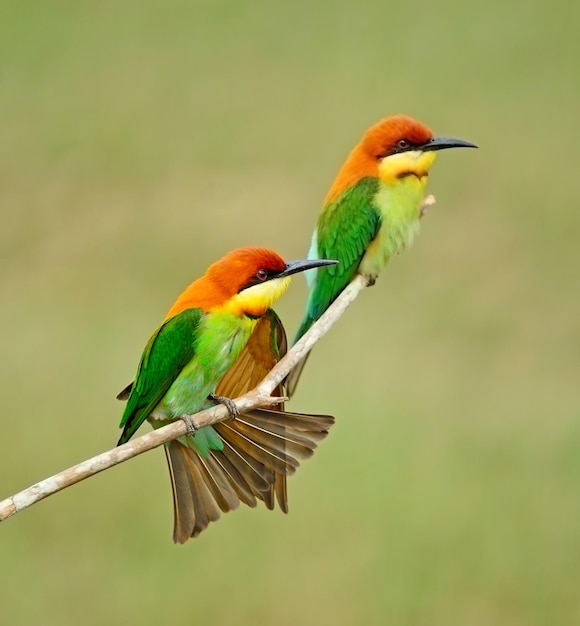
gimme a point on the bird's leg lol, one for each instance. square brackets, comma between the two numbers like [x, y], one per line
[230, 406]
[189, 423]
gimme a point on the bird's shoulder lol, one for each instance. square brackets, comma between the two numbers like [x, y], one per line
[347, 226]
[167, 352]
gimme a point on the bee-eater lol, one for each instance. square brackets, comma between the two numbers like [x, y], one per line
[372, 210]
[207, 331]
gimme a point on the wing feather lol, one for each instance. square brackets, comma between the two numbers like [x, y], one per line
[168, 351]
[344, 231]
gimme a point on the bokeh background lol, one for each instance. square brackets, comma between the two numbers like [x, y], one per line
[139, 141]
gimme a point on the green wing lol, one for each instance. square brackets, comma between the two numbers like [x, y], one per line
[167, 353]
[345, 229]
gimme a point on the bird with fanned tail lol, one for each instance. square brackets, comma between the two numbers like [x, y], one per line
[218, 340]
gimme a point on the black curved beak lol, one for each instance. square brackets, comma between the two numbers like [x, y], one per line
[442, 143]
[293, 267]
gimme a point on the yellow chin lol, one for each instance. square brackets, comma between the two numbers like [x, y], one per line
[412, 163]
[256, 300]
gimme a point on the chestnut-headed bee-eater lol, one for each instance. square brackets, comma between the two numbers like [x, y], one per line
[221, 328]
[372, 211]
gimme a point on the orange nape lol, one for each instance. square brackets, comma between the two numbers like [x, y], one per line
[379, 141]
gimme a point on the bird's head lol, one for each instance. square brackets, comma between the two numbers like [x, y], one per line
[254, 278]
[246, 281]
[396, 147]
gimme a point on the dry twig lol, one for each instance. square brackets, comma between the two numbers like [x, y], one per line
[258, 398]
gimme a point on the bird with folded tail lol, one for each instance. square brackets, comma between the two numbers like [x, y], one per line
[371, 212]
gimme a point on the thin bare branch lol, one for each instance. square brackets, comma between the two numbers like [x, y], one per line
[258, 398]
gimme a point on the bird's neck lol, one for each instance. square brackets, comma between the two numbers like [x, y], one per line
[413, 163]
[402, 181]
[389, 170]
[219, 321]
[357, 166]
[200, 294]
[256, 300]
[252, 302]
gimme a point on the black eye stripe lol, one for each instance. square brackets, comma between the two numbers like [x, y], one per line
[261, 276]
[402, 145]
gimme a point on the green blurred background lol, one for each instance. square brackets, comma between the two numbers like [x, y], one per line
[139, 141]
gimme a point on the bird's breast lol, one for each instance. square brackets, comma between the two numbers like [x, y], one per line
[399, 206]
[221, 339]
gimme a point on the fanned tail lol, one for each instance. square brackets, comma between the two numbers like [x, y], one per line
[261, 448]
[278, 441]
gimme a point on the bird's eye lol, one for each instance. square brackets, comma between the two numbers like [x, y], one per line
[262, 275]
[403, 144]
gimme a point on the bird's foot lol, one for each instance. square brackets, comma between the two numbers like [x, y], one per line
[371, 279]
[188, 423]
[428, 202]
[230, 406]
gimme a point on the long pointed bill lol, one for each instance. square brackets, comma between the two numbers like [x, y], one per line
[293, 267]
[442, 143]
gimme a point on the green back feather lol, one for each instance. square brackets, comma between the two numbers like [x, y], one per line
[345, 229]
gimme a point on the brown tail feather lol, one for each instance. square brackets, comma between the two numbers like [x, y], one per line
[273, 446]
[219, 485]
[278, 440]
[293, 377]
[258, 477]
[194, 505]
[303, 431]
[280, 489]
[269, 458]
[260, 449]
[242, 486]
[296, 421]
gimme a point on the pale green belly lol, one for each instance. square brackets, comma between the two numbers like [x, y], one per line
[400, 208]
